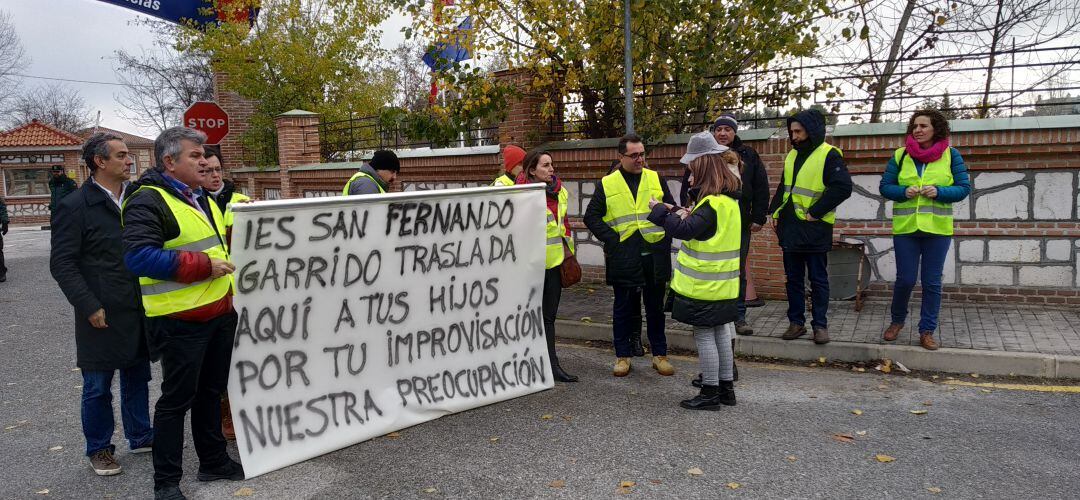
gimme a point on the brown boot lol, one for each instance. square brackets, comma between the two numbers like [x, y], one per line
[926, 339]
[793, 332]
[226, 419]
[821, 335]
[893, 331]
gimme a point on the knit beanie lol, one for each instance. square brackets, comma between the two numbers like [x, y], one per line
[726, 119]
[512, 157]
[384, 160]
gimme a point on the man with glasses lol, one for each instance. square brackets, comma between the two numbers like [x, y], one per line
[637, 253]
[221, 191]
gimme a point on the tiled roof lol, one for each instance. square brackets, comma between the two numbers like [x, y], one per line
[129, 139]
[35, 134]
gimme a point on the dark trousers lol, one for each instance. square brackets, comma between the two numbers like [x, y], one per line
[552, 295]
[195, 373]
[797, 265]
[3, 268]
[913, 253]
[744, 250]
[98, 422]
[627, 310]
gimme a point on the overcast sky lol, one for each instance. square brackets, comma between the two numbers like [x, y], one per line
[77, 39]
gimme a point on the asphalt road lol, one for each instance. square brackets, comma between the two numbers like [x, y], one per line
[777, 443]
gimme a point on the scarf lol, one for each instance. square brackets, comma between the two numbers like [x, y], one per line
[927, 155]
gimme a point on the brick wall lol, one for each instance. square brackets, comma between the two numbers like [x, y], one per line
[240, 111]
[1016, 237]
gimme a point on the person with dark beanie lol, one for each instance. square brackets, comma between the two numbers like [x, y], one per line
[753, 200]
[375, 176]
[706, 281]
[814, 183]
[923, 179]
[538, 168]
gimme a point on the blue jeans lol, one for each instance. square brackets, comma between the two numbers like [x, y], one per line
[797, 265]
[913, 252]
[97, 409]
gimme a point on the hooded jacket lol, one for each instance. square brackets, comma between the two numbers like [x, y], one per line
[797, 235]
[59, 187]
[367, 186]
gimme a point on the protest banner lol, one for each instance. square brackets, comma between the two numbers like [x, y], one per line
[362, 315]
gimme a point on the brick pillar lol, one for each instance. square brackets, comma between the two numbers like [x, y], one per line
[524, 124]
[298, 144]
[240, 111]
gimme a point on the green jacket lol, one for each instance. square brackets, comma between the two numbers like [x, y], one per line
[58, 189]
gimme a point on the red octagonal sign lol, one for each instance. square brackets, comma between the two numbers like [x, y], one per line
[209, 118]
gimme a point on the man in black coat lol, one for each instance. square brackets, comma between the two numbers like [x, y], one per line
[87, 262]
[3, 232]
[805, 234]
[60, 185]
[753, 201]
[635, 268]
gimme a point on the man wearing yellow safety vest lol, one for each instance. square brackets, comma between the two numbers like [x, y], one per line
[512, 165]
[173, 243]
[375, 176]
[814, 183]
[220, 190]
[637, 253]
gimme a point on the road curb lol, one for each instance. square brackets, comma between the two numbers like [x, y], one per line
[943, 360]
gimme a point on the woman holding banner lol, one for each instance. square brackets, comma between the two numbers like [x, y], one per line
[538, 168]
[706, 279]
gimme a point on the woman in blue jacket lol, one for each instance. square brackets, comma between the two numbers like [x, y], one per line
[923, 179]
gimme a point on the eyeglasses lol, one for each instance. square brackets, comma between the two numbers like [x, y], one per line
[635, 156]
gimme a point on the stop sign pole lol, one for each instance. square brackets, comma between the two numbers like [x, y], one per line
[209, 118]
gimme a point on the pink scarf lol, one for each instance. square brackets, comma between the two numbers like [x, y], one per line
[931, 154]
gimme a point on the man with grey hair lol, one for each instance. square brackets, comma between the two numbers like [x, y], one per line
[87, 262]
[174, 242]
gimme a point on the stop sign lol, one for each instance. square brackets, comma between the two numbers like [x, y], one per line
[209, 118]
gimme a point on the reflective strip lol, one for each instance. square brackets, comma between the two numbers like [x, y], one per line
[728, 255]
[554, 241]
[651, 229]
[924, 209]
[805, 192]
[164, 287]
[622, 220]
[720, 276]
[201, 245]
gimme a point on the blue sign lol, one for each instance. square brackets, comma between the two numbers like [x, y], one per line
[171, 10]
[443, 55]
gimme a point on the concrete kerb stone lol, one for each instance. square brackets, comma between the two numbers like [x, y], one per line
[916, 358]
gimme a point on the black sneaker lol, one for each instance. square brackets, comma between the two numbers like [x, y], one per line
[229, 470]
[743, 328]
[169, 493]
[758, 302]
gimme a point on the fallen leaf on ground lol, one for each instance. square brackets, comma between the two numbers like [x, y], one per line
[710, 434]
[791, 458]
[974, 375]
[821, 360]
[547, 417]
[886, 365]
[859, 369]
[558, 483]
[928, 403]
[695, 471]
[56, 448]
[393, 435]
[627, 484]
[494, 440]
[567, 417]
[430, 490]
[623, 491]
[844, 438]
[884, 459]
[42, 492]
[244, 492]
[934, 489]
[935, 377]
[733, 485]
[586, 319]
[860, 433]
[988, 391]
[654, 481]
[918, 412]
[812, 365]
[900, 366]
[856, 412]
[882, 386]
[76, 369]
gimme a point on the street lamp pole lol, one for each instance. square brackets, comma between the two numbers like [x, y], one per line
[628, 72]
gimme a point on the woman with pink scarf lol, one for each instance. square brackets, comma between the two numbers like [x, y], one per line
[923, 179]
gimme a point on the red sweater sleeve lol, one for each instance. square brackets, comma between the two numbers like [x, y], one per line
[193, 266]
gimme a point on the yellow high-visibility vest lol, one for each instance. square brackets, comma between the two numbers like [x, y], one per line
[709, 270]
[627, 213]
[809, 186]
[345, 190]
[503, 180]
[556, 233]
[161, 298]
[921, 213]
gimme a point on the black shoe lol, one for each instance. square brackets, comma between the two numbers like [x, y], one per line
[743, 328]
[727, 393]
[708, 399]
[229, 470]
[635, 345]
[758, 302]
[696, 382]
[3, 278]
[169, 493]
[561, 375]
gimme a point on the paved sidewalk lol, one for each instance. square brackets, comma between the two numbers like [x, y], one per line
[999, 333]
